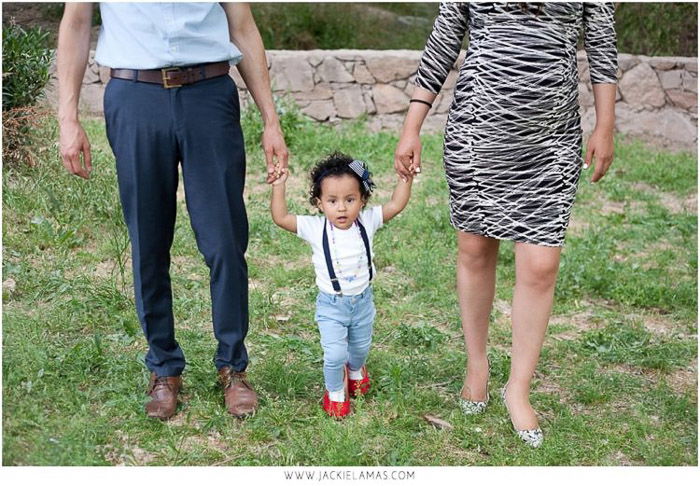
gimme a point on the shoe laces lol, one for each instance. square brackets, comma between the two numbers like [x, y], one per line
[230, 377]
[160, 382]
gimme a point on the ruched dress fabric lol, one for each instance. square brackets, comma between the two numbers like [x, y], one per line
[513, 141]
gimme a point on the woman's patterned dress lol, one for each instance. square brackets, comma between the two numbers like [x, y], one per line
[513, 134]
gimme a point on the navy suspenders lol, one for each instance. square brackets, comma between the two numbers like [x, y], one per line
[327, 254]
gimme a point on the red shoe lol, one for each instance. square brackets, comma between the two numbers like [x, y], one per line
[359, 387]
[338, 409]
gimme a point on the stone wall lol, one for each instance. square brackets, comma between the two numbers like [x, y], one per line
[656, 96]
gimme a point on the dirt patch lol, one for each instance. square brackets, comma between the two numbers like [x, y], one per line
[660, 325]
[684, 379]
[211, 441]
[681, 380]
[620, 459]
[670, 201]
[124, 454]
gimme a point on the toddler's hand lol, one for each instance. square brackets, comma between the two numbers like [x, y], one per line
[281, 177]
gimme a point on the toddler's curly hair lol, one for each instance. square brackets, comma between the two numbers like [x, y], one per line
[335, 165]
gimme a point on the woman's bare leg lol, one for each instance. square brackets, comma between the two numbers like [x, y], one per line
[476, 285]
[536, 270]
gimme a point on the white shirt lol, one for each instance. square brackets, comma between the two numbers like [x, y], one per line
[157, 35]
[348, 252]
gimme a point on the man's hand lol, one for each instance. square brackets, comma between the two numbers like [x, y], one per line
[276, 154]
[75, 149]
[253, 69]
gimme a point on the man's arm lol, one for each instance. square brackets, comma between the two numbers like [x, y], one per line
[253, 68]
[71, 61]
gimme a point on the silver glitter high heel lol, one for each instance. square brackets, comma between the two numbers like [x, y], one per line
[471, 407]
[531, 437]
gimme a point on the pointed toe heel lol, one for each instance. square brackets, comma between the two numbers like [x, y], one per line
[531, 437]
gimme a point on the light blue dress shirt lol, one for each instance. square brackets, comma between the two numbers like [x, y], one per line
[157, 35]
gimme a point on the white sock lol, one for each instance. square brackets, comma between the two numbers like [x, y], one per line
[337, 396]
[356, 375]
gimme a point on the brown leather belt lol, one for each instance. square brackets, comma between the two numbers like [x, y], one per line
[173, 77]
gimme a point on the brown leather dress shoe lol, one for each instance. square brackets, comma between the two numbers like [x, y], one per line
[163, 391]
[240, 398]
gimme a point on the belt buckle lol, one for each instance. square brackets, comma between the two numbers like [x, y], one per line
[164, 73]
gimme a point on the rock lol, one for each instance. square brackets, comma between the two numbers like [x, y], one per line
[585, 97]
[349, 54]
[349, 102]
[671, 79]
[391, 68]
[667, 124]
[438, 423]
[389, 99]
[640, 87]
[236, 76]
[627, 61]
[320, 110]
[332, 70]
[584, 75]
[588, 121]
[662, 63]
[92, 74]
[315, 59]
[320, 92]
[692, 65]
[369, 103]
[683, 99]
[690, 82]
[91, 97]
[291, 74]
[362, 74]
[104, 74]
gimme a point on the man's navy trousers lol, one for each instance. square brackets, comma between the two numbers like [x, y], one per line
[152, 129]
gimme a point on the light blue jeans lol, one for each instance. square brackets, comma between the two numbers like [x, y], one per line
[345, 323]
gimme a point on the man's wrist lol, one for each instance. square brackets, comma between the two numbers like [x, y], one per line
[71, 117]
[272, 124]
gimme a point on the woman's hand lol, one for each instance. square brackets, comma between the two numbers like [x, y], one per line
[601, 147]
[407, 155]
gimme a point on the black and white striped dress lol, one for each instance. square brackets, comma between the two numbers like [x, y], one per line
[513, 136]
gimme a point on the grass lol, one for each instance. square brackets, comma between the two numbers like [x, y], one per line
[616, 382]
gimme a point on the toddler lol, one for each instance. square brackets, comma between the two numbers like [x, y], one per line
[341, 240]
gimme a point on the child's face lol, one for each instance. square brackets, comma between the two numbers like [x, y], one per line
[341, 200]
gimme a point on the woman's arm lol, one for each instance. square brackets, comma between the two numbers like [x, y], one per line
[407, 154]
[399, 199]
[278, 205]
[600, 144]
[441, 50]
[600, 41]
